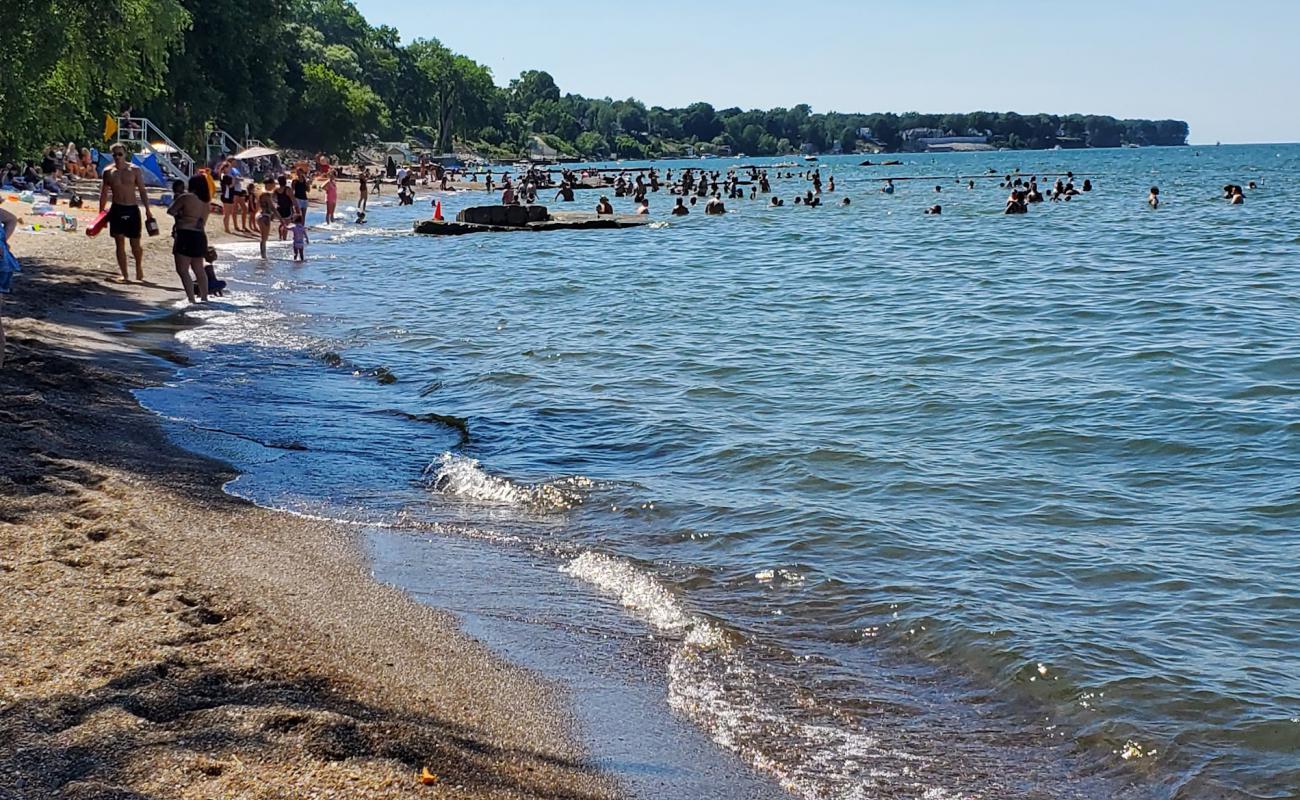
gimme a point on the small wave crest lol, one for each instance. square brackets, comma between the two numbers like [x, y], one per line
[712, 680]
[464, 478]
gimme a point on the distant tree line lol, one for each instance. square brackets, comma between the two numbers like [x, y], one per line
[314, 74]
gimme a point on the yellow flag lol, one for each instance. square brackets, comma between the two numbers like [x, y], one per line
[110, 127]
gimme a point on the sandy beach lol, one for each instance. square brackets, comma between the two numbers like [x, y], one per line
[159, 638]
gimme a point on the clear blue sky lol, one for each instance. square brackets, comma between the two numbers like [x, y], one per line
[1231, 68]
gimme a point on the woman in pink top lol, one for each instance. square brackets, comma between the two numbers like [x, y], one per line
[331, 197]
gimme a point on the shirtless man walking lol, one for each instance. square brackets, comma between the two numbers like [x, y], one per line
[126, 183]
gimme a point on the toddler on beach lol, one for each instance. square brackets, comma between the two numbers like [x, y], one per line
[299, 238]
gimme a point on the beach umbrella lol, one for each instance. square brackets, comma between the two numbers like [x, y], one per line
[255, 152]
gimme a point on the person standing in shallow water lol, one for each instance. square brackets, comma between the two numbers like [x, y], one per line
[299, 238]
[1153, 199]
[364, 193]
[266, 211]
[331, 197]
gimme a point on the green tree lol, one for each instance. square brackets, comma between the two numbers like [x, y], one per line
[344, 110]
[590, 143]
[64, 65]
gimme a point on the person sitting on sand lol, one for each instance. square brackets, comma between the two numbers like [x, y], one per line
[680, 210]
[124, 181]
[604, 206]
[1153, 199]
[216, 286]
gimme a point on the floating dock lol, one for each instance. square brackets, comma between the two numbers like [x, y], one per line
[502, 219]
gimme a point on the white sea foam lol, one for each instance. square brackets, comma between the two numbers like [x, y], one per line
[463, 477]
[712, 681]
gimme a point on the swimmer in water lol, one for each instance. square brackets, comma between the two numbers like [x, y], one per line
[1153, 199]
[680, 210]
[1237, 198]
[844, 202]
[938, 188]
[888, 188]
[604, 206]
[643, 207]
[715, 206]
[1016, 203]
[934, 210]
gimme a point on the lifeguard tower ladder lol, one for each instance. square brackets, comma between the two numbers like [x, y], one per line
[147, 137]
[220, 143]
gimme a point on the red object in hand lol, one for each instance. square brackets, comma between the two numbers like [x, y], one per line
[97, 224]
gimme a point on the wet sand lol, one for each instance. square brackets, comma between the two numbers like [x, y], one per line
[160, 639]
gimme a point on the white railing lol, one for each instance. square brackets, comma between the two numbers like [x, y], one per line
[146, 136]
[219, 143]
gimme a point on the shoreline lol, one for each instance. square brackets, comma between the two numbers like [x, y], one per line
[166, 639]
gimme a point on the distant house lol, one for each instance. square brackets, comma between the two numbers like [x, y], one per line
[937, 141]
[398, 151]
[539, 150]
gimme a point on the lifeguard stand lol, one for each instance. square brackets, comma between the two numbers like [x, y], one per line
[145, 137]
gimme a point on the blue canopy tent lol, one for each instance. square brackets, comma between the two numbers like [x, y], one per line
[148, 163]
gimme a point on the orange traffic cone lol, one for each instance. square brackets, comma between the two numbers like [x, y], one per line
[437, 211]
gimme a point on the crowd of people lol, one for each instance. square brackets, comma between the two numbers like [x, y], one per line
[256, 197]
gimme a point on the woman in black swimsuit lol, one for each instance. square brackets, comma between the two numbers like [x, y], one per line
[283, 207]
[190, 209]
[227, 196]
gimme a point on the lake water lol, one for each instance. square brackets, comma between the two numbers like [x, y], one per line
[910, 506]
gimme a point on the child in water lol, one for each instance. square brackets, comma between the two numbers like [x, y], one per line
[299, 238]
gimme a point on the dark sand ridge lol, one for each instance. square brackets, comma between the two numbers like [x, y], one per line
[160, 639]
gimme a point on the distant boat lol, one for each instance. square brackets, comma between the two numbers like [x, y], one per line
[810, 158]
[1131, 144]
